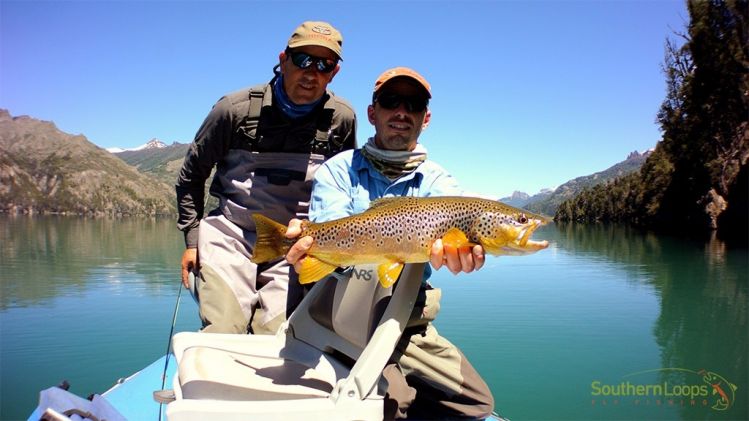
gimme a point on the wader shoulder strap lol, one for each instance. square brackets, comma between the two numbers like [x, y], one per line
[321, 145]
[251, 125]
[255, 112]
[248, 127]
[256, 104]
[323, 125]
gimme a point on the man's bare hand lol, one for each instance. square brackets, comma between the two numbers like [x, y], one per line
[465, 259]
[190, 262]
[299, 250]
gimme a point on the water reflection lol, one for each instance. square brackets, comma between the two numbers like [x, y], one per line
[46, 256]
[702, 288]
[617, 243]
[87, 300]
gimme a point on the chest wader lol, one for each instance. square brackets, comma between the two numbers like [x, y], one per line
[236, 295]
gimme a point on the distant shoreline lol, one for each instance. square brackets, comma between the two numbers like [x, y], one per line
[94, 214]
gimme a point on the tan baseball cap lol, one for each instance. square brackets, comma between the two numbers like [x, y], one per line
[393, 73]
[317, 33]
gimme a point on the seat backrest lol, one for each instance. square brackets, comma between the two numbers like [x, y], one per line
[355, 316]
[352, 305]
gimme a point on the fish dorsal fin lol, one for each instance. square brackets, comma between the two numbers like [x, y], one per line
[383, 201]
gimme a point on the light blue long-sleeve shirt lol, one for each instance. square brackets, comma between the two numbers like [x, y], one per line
[345, 185]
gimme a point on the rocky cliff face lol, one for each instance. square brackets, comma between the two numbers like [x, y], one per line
[44, 170]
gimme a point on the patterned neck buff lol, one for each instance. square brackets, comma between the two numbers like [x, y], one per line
[286, 105]
[394, 164]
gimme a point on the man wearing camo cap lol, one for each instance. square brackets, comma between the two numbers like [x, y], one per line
[265, 143]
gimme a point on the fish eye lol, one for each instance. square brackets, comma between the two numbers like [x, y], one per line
[522, 218]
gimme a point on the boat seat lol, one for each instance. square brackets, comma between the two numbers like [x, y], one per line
[324, 363]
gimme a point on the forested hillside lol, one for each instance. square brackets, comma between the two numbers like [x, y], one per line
[547, 203]
[696, 179]
[163, 163]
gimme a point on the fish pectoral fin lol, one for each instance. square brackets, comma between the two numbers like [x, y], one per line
[314, 269]
[389, 273]
[456, 238]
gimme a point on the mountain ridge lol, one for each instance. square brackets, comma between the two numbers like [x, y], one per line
[163, 163]
[45, 170]
[546, 201]
[148, 173]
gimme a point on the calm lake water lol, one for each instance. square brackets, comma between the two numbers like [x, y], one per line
[608, 323]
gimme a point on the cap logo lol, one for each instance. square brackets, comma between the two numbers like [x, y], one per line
[324, 30]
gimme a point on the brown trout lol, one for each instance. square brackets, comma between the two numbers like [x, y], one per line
[399, 230]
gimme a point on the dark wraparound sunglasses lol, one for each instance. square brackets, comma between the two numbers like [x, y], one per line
[391, 101]
[304, 61]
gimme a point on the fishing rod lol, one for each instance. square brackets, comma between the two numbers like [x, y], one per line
[169, 344]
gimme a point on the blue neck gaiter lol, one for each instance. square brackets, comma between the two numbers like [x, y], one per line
[286, 105]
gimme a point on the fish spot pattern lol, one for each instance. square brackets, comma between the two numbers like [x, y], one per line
[414, 224]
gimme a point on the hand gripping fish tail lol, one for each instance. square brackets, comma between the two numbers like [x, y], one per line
[271, 240]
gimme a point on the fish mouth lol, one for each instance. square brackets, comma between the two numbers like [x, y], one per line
[523, 240]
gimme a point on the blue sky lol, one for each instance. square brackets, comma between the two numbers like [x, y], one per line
[527, 94]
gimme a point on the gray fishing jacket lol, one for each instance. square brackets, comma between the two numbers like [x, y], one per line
[264, 160]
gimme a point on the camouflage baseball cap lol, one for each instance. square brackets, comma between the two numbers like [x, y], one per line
[317, 33]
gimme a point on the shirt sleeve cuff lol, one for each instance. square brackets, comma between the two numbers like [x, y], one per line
[191, 238]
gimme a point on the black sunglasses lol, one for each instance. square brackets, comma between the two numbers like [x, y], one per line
[391, 101]
[304, 61]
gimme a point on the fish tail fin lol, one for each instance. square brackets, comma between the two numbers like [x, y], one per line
[271, 242]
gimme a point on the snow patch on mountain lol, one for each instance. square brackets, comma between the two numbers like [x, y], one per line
[151, 144]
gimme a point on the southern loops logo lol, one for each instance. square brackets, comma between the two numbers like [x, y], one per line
[680, 386]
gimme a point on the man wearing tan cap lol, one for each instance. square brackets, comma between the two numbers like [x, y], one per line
[429, 378]
[265, 142]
